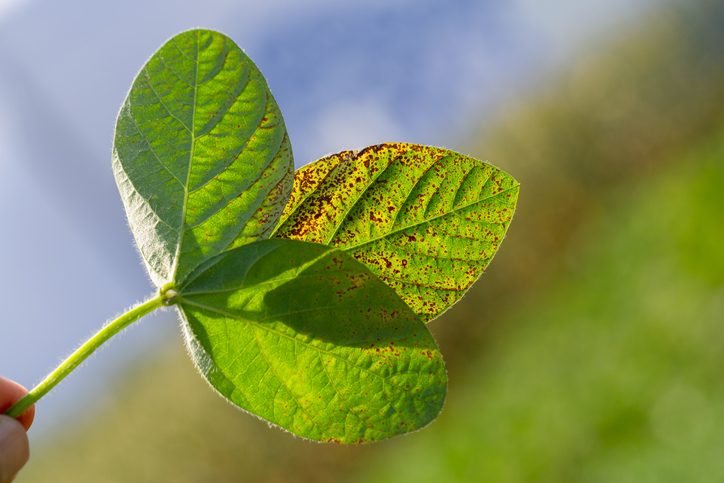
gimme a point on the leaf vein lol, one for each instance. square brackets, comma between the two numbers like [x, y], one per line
[311, 346]
[425, 222]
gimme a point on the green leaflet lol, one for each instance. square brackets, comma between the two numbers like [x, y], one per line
[201, 155]
[308, 339]
[426, 220]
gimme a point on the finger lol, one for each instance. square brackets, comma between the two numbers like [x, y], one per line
[10, 392]
[14, 448]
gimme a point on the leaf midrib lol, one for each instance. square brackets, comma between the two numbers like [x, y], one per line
[424, 222]
[312, 347]
[262, 284]
[177, 256]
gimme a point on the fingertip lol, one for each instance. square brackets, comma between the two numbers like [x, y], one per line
[26, 419]
[14, 448]
[10, 393]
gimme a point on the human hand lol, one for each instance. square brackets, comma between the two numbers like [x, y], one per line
[14, 451]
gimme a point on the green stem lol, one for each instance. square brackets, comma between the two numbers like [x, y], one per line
[82, 353]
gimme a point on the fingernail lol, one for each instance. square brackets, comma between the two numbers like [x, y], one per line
[14, 450]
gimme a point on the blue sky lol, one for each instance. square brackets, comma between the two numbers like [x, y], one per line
[346, 74]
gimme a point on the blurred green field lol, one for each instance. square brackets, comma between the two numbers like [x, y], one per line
[590, 352]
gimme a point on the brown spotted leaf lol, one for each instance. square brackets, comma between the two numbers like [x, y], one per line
[425, 220]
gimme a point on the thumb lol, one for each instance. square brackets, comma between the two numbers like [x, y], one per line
[14, 451]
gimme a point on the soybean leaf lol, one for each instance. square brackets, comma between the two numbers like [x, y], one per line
[426, 220]
[201, 155]
[308, 339]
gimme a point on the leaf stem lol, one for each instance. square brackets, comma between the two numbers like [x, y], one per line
[82, 353]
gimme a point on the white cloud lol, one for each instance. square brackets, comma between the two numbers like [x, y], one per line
[6, 6]
[564, 23]
[352, 124]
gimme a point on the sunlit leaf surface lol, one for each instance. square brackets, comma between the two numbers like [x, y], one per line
[201, 155]
[426, 220]
[308, 339]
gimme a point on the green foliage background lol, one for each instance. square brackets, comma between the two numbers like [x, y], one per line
[590, 352]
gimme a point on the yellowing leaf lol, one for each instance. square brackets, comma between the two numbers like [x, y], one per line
[426, 220]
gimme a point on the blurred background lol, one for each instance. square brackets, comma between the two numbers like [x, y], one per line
[593, 349]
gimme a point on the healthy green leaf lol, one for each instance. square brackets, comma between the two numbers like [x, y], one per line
[426, 220]
[201, 155]
[308, 339]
